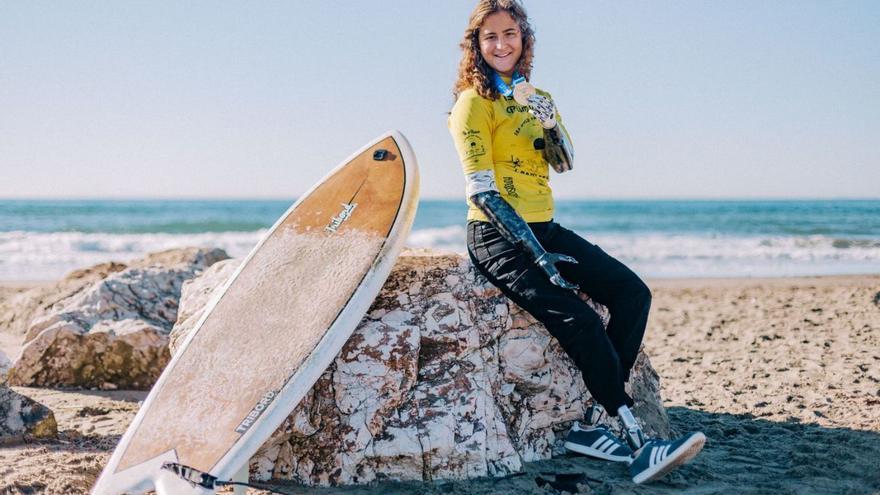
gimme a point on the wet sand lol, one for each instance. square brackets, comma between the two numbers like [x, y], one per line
[783, 376]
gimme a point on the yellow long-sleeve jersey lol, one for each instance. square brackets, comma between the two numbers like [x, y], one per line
[496, 139]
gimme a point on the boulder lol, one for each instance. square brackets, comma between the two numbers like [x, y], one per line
[444, 378]
[18, 311]
[22, 417]
[5, 363]
[197, 293]
[112, 332]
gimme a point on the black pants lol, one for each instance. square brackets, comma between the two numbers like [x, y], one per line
[605, 358]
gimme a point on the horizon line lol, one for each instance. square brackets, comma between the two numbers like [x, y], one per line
[447, 198]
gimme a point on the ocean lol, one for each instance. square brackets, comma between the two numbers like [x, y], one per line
[44, 239]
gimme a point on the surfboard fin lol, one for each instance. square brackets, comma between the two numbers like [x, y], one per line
[201, 479]
[191, 475]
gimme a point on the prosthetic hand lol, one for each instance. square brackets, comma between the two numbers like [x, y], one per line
[543, 109]
[557, 149]
[517, 231]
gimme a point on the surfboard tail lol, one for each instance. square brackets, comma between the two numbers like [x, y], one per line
[168, 483]
[145, 477]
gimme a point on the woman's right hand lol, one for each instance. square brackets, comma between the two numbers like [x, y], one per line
[516, 231]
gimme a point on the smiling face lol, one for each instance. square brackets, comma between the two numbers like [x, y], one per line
[501, 42]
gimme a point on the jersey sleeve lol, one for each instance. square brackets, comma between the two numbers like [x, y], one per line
[470, 124]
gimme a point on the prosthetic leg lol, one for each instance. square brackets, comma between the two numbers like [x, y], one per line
[635, 437]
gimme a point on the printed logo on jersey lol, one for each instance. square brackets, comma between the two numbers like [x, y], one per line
[473, 144]
[509, 188]
[512, 109]
[519, 128]
[516, 162]
[336, 222]
[528, 168]
[255, 413]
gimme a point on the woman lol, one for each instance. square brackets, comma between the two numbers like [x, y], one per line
[507, 135]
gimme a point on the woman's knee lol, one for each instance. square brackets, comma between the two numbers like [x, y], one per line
[634, 295]
[642, 293]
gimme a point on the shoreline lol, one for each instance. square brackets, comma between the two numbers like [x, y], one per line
[821, 280]
[664, 282]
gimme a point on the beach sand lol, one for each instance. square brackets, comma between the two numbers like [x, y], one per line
[783, 376]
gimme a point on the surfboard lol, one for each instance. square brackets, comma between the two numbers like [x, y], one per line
[272, 330]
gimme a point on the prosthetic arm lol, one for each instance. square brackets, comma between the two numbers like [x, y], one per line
[484, 195]
[557, 148]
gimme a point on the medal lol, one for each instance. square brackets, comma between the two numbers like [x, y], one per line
[522, 91]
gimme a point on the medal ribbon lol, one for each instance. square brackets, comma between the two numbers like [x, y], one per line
[504, 88]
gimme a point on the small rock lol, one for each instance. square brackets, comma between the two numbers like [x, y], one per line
[22, 417]
[5, 363]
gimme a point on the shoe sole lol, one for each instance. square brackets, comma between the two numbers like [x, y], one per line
[686, 452]
[582, 449]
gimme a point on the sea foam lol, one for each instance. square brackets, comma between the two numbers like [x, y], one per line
[38, 256]
[35, 256]
[693, 255]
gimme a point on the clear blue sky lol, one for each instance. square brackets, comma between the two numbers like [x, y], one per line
[259, 99]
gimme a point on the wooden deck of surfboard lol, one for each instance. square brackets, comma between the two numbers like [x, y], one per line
[264, 340]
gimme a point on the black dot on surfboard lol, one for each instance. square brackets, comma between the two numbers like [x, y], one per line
[380, 155]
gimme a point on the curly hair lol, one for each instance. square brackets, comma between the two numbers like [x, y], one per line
[473, 71]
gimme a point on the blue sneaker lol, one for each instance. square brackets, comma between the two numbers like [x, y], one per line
[658, 457]
[597, 441]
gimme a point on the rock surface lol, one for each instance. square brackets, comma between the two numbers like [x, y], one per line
[21, 416]
[197, 293]
[18, 311]
[443, 379]
[106, 327]
[5, 363]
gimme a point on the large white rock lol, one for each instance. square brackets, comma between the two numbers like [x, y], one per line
[19, 310]
[197, 293]
[112, 333]
[443, 379]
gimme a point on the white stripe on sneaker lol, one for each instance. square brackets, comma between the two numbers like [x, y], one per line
[665, 457]
[598, 441]
[608, 446]
[604, 444]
